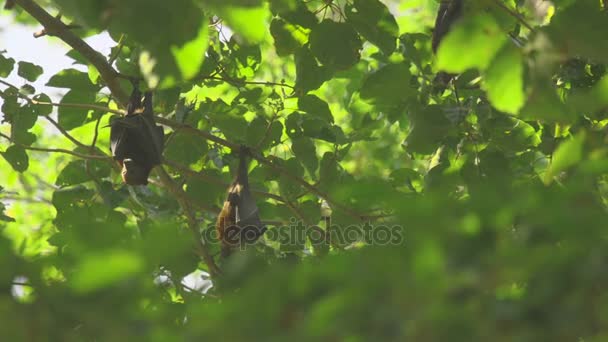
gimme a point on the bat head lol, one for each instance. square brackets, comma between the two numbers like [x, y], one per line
[134, 173]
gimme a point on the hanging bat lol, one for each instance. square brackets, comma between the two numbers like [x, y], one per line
[136, 141]
[239, 221]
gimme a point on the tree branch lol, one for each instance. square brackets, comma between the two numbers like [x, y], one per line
[78, 105]
[238, 82]
[186, 206]
[59, 29]
[213, 180]
[260, 158]
[65, 132]
[55, 150]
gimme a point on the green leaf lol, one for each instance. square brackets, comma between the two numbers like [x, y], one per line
[544, 104]
[503, 80]
[185, 148]
[66, 198]
[408, 178]
[206, 191]
[336, 45]
[250, 22]
[306, 152]
[29, 71]
[373, 20]
[428, 128]
[233, 126]
[588, 101]
[388, 85]
[27, 89]
[316, 107]
[511, 134]
[22, 121]
[6, 65]
[72, 117]
[580, 30]
[293, 125]
[16, 156]
[309, 75]
[76, 172]
[329, 171]
[73, 173]
[103, 269]
[287, 187]
[189, 57]
[72, 79]
[164, 245]
[77, 57]
[567, 154]
[320, 129]
[288, 38]
[246, 58]
[87, 11]
[471, 43]
[296, 13]
[256, 131]
[93, 74]
[43, 109]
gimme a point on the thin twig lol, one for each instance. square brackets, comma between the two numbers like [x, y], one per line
[55, 150]
[80, 105]
[514, 14]
[45, 32]
[96, 131]
[119, 46]
[69, 105]
[64, 132]
[294, 209]
[267, 131]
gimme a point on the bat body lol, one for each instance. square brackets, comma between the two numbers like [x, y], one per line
[239, 221]
[136, 141]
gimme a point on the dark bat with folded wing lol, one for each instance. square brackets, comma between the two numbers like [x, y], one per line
[136, 141]
[239, 221]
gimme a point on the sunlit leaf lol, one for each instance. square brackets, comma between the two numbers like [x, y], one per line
[472, 43]
[248, 21]
[72, 79]
[72, 117]
[190, 56]
[503, 80]
[566, 155]
[373, 20]
[99, 270]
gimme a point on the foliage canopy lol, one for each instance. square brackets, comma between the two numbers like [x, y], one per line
[478, 208]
